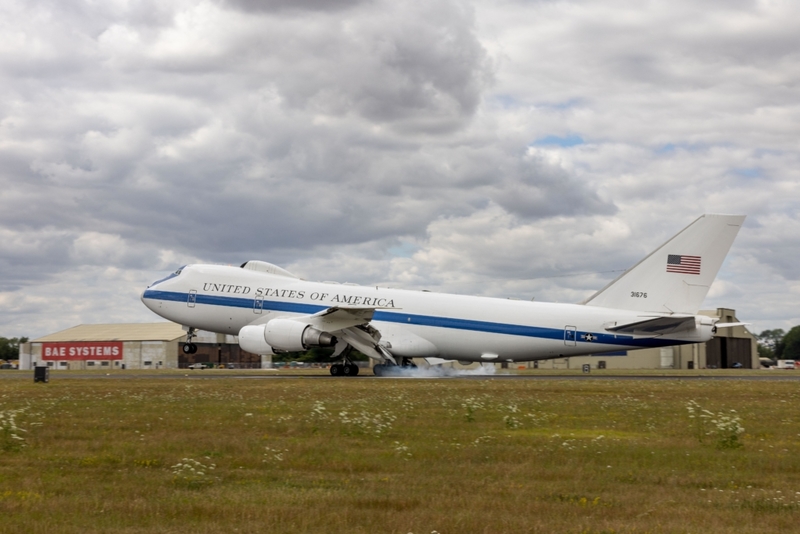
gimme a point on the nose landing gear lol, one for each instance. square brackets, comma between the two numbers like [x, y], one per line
[188, 346]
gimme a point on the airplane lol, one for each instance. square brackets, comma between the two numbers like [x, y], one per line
[272, 311]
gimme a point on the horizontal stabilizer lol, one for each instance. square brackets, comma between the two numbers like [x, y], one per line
[657, 325]
[729, 325]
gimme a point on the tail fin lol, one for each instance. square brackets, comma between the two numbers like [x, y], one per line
[676, 277]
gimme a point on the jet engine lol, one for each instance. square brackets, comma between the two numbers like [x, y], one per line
[283, 335]
[251, 339]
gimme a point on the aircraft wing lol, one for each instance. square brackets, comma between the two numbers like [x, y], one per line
[339, 317]
[351, 325]
[659, 325]
[344, 322]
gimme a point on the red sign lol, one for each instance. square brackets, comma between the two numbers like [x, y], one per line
[83, 350]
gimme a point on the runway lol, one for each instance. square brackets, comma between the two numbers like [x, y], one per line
[420, 374]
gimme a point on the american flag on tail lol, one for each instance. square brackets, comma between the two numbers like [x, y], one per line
[683, 264]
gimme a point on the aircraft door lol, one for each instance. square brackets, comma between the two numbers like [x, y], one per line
[258, 305]
[570, 336]
[192, 299]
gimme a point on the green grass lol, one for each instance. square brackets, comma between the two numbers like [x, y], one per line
[452, 455]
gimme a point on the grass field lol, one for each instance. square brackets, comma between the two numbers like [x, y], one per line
[370, 455]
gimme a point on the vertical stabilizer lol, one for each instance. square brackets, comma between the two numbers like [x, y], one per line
[676, 277]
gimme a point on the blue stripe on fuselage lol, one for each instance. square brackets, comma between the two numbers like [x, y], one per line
[419, 320]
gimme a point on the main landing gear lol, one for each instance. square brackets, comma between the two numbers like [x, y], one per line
[189, 347]
[344, 369]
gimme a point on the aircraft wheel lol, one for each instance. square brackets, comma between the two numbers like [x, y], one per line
[347, 370]
[187, 348]
[353, 369]
[378, 369]
[336, 369]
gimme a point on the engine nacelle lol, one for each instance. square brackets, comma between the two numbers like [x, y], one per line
[286, 335]
[283, 335]
[251, 339]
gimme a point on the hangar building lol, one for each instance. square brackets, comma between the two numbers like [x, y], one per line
[132, 346]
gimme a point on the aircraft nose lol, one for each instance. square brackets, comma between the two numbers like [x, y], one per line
[153, 295]
[150, 293]
[146, 298]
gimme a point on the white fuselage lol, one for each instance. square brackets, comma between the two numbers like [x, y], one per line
[224, 299]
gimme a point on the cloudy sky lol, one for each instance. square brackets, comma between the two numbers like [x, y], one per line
[527, 149]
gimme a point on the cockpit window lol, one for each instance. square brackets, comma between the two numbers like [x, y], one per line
[170, 277]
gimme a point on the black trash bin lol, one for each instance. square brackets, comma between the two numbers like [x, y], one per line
[41, 374]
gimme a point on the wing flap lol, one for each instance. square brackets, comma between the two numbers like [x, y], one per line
[365, 343]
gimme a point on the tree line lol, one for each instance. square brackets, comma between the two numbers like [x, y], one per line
[779, 345]
[9, 348]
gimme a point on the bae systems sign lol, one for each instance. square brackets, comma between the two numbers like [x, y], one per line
[83, 350]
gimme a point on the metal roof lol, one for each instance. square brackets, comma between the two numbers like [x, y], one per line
[116, 332]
